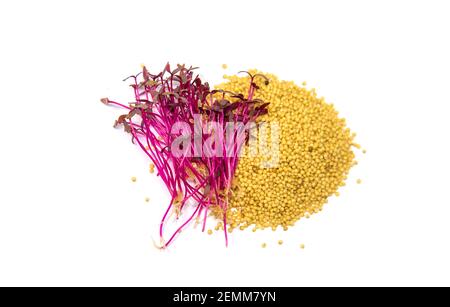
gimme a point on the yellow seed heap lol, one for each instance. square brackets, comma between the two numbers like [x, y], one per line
[315, 158]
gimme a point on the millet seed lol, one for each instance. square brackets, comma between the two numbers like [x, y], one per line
[315, 158]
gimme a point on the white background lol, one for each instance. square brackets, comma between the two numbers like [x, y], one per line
[69, 214]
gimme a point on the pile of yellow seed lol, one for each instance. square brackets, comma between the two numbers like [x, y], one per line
[315, 158]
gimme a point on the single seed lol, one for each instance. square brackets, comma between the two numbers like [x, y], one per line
[302, 246]
[133, 179]
[280, 242]
[224, 66]
[264, 245]
[359, 181]
[364, 151]
[147, 199]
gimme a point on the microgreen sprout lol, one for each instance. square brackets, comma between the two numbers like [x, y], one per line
[167, 98]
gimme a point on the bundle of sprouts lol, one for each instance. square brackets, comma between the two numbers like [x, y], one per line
[193, 136]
